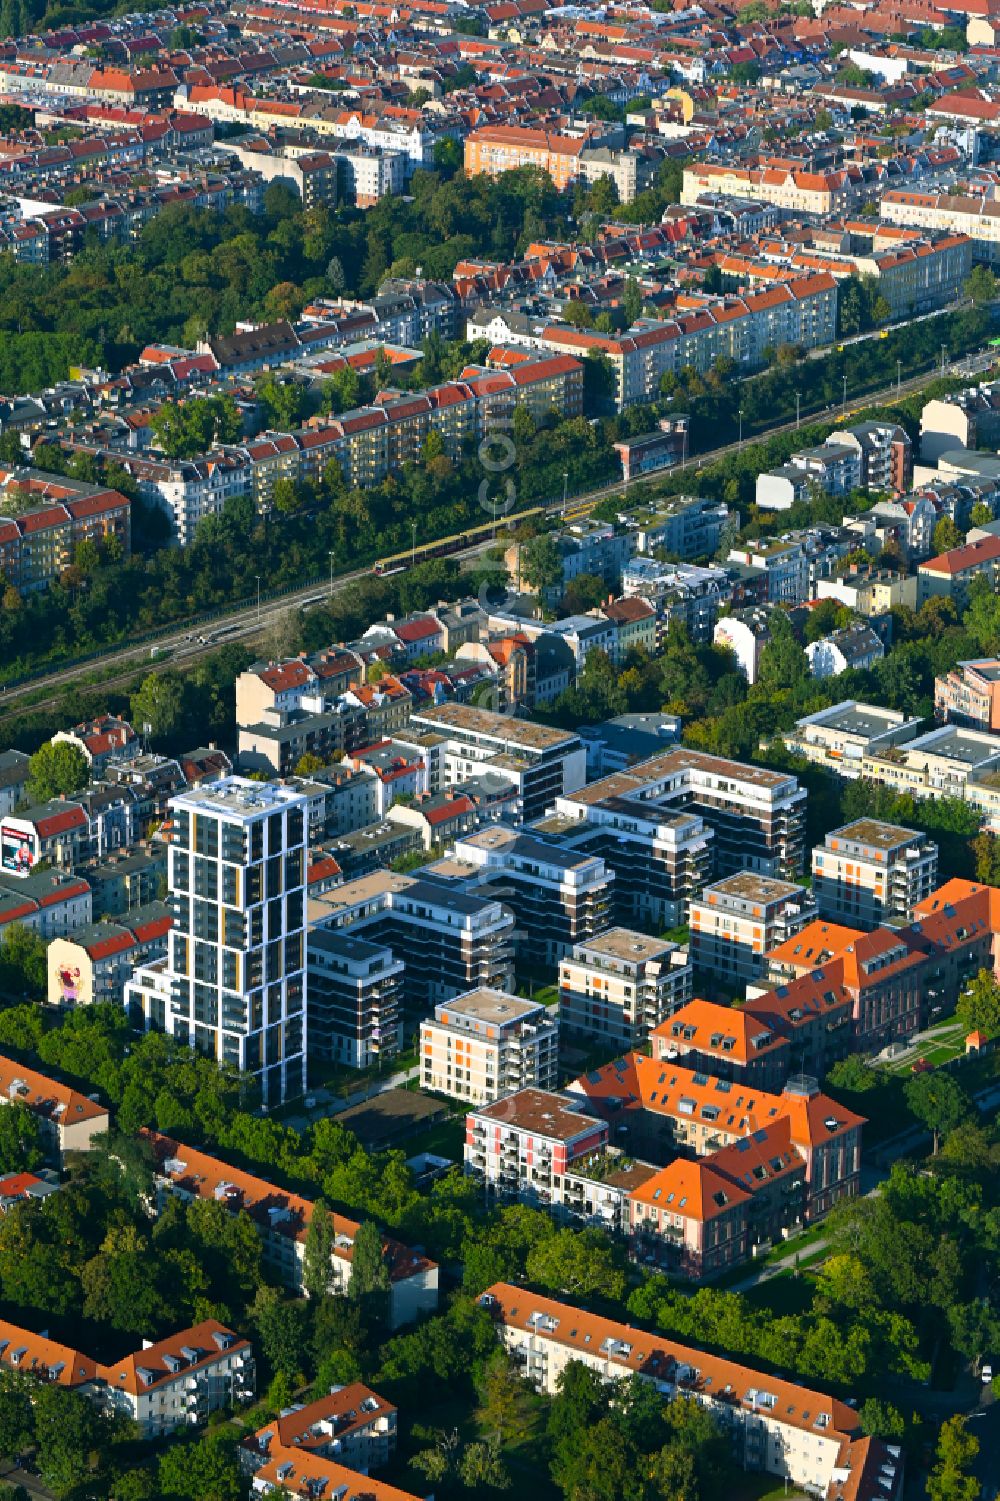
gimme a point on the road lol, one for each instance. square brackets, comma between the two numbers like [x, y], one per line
[187, 642]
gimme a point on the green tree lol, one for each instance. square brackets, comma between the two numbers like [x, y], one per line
[783, 662]
[881, 1419]
[280, 1327]
[57, 769]
[540, 563]
[17, 1422]
[20, 1139]
[205, 1471]
[981, 514]
[853, 1073]
[505, 1400]
[946, 535]
[317, 1251]
[23, 962]
[978, 1007]
[157, 707]
[369, 1285]
[939, 1102]
[980, 285]
[578, 1262]
[68, 1434]
[308, 764]
[951, 1478]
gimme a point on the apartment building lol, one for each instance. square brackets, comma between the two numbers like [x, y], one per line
[815, 945]
[540, 762]
[47, 517]
[69, 1121]
[13, 780]
[701, 329]
[876, 990]
[559, 895]
[967, 419]
[180, 1380]
[450, 941]
[369, 174]
[619, 987]
[790, 189]
[945, 762]
[668, 1109]
[282, 1220]
[168, 1384]
[842, 737]
[680, 592]
[488, 1044]
[736, 920]
[292, 1472]
[49, 902]
[777, 1427]
[585, 547]
[785, 566]
[354, 999]
[523, 1146]
[970, 695]
[756, 816]
[495, 149]
[690, 1219]
[351, 1424]
[725, 1041]
[96, 962]
[951, 575]
[856, 648]
[660, 857]
[101, 741]
[959, 213]
[233, 984]
[867, 873]
[745, 633]
[832, 467]
[688, 526]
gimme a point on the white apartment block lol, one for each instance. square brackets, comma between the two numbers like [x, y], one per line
[69, 1121]
[755, 816]
[542, 763]
[524, 1145]
[233, 984]
[737, 920]
[369, 173]
[282, 1220]
[977, 217]
[777, 1427]
[621, 985]
[173, 1383]
[487, 1044]
[355, 996]
[450, 941]
[785, 565]
[559, 895]
[868, 873]
[351, 1424]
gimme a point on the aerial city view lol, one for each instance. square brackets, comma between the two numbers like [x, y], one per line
[500, 750]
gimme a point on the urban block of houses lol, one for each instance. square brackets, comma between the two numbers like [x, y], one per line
[283, 1220]
[167, 1385]
[69, 1121]
[777, 1427]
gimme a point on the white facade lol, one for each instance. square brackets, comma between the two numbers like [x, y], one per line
[236, 960]
[487, 1044]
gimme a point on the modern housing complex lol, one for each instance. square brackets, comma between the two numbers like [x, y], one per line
[233, 983]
